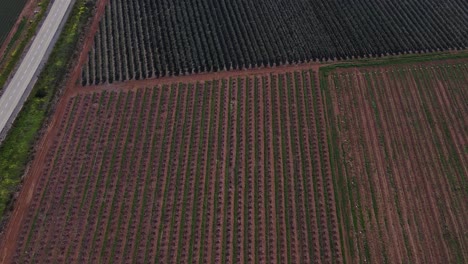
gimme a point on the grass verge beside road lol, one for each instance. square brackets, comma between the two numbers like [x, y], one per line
[15, 151]
[15, 50]
[395, 60]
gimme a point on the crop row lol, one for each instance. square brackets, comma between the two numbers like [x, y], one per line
[227, 171]
[398, 160]
[141, 39]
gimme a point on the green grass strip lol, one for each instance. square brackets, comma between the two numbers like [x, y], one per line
[11, 59]
[15, 152]
[395, 60]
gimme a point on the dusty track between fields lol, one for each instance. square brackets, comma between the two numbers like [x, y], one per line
[202, 77]
[74, 89]
[30, 182]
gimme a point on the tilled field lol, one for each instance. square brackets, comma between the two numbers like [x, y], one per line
[399, 159]
[223, 171]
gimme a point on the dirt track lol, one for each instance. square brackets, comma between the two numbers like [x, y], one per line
[310, 237]
[30, 182]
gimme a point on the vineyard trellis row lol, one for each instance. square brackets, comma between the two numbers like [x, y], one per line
[141, 39]
[189, 172]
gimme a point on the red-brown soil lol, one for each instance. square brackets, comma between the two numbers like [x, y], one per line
[234, 166]
[400, 138]
[195, 172]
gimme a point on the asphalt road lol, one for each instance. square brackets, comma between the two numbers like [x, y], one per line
[20, 85]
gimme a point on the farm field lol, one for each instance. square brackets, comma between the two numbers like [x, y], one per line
[203, 131]
[9, 12]
[398, 140]
[225, 171]
[141, 39]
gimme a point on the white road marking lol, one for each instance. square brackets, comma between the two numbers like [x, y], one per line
[16, 89]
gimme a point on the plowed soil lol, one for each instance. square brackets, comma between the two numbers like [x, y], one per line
[399, 137]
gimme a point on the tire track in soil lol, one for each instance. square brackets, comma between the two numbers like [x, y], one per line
[452, 230]
[438, 181]
[389, 108]
[411, 106]
[409, 135]
[430, 190]
[354, 157]
[368, 121]
[410, 170]
[414, 102]
[388, 100]
[403, 194]
[448, 115]
[458, 207]
[346, 167]
[374, 151]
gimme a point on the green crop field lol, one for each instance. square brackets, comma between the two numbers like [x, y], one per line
[397, 136]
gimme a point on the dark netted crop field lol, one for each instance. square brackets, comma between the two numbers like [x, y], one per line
[187, 36]
[9, 11]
